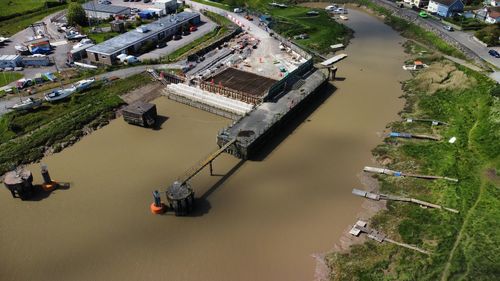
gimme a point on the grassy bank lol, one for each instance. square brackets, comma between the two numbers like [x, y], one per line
[463, 245]
[8, 77]
[14, 25]
[24, 137]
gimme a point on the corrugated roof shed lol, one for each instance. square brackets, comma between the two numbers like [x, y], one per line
[9, 57]
[132, 37]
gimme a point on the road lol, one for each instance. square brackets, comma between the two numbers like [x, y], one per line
[461, 37]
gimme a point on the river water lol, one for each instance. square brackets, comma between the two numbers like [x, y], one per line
[263, 222]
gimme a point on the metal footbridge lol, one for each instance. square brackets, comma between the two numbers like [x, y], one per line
[203, 163]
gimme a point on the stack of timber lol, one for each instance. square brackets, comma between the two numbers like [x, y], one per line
[140, 113]
[377, 197]
[401, 174]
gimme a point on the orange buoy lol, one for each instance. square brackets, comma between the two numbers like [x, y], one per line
[157, 209]
[49, 186]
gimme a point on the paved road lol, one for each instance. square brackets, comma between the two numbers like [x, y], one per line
[463, 38]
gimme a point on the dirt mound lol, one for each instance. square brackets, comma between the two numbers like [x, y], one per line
[443, 76]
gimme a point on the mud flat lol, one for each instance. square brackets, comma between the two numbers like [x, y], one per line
[263, 222]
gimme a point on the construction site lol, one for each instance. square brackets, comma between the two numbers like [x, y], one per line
[256, 78]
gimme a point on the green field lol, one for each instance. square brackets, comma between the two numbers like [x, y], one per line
[10, 7]
[7, 77]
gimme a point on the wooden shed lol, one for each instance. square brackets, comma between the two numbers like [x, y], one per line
[140, 113]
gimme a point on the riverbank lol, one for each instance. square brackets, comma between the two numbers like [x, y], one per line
[28, 136]
[468, 102]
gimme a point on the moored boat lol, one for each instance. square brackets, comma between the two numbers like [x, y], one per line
[27, 104]
[84, 84]
[59, 94]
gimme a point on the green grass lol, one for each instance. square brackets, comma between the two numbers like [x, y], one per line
[322, 30]
[24, 136]
[215, 4]
[14, 25]
[10, 7]
[8, 77]
[464, 246]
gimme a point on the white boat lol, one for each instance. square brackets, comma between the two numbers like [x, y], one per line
[21, 48]
[59, 94]
[84, 84]
[27, 104]
[343, 17]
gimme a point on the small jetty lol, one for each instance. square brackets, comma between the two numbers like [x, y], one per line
[432, 121]
[413, 136]
[141, 114]
[378, 197]
[361, 227]
[402, 174]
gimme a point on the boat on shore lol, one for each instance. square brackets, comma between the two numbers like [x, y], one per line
[26, 104]
[84, 84]
[59, 94]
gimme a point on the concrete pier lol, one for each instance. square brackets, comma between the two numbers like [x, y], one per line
[252, 130]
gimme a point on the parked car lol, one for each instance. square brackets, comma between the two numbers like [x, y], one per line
[177, 37]
[104, 2]
[494, 53]
[8, 69]
[19, 68]
[448, 27]
[312, 13]
[238, 10]
[423, 14]
[161, 44]
[126, 0]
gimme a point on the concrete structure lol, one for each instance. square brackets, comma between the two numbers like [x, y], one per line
[445, 8]
[100, 11]
[168, 6]
[10, 61]
[79, 53]
[132, 41]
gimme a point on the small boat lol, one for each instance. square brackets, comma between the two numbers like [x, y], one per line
[21, 48]
[59, 94]
[27, 104]
[343, 17]
[84, 84]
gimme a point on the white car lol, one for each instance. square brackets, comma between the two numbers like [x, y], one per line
[238, 10]
[131, 60]
[331, 8]
[122, 57]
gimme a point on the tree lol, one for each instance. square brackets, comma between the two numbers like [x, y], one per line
[76, 14]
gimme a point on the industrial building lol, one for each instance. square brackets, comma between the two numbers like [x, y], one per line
[131, 42]
[10, 61]
[100, 11]
[168, 6]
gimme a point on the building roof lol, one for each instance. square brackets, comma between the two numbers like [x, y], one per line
[9, 57]
[112, 9]
[494, 12]
[139, 107]
[446, 2]
[132, 37]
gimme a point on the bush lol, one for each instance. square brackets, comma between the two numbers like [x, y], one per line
[489, 34]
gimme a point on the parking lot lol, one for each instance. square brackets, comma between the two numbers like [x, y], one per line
[173, 45]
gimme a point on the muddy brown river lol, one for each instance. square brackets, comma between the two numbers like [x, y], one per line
[263, 221]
